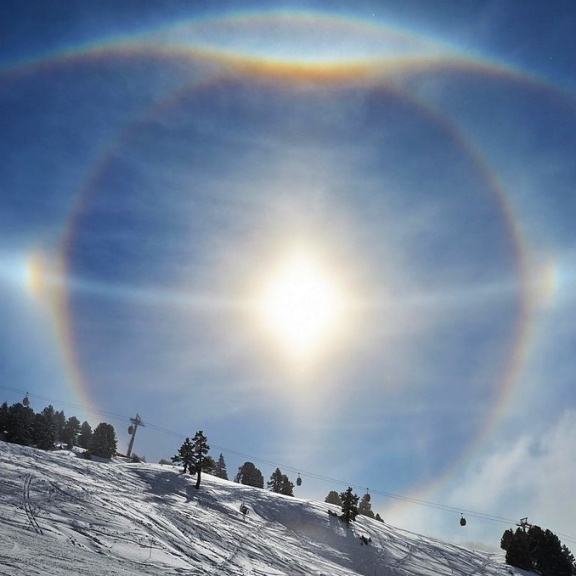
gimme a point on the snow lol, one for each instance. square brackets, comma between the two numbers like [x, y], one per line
[61, 515]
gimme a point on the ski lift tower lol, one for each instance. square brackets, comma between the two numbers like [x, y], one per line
[524, 524]
[132, 430]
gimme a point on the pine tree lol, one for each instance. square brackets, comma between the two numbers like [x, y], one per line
[249, 475]
[71, 431]
[280, 483]
[20, 424]
[45, 429]
[4, 411]
[365, 508]
[333, 498]
[506, 539]
[103, 442]
[60, 423]
[85, 435]
[200, 449]
[349, 506]
[287, 486]
[538, 550]
[220, 468]
[185, 456]
[275, 482]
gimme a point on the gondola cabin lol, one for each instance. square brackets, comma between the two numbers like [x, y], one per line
[130, 429]
[26, 401]
[462, 521]
[299, 481]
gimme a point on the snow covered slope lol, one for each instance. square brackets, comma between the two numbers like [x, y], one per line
[63, 515]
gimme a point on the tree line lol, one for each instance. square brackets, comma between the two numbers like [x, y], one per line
[538, 550]
[193, 455]
[49, 428]
[352, 505]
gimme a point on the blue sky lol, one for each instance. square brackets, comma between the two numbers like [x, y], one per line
[338, 240]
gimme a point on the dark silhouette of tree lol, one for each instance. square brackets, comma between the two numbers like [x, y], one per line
[220, 468]
[365, 508]
[349, 506]
[85, 435]
[333, 498]
[538, 550]
[20, 424]
[185, 456]
[280, 483]
[200, 450]
[4, 410]
[275, 481]
[548, 556]
[103, 441]
[71, 431]
[45, 429]
[249, 475]
[60, 423]
[287, 487]
[378, 517]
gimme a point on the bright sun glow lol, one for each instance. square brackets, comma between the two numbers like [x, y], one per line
[302, 305]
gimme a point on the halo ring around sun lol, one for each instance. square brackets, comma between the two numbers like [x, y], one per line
[289, 72]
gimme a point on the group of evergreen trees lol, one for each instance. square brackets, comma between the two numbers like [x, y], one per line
[19, 424]
[352, 505]
[249, 475]
[194, 455]
[538, 550]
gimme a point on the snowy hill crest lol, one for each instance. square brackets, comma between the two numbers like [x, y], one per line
[65, 515]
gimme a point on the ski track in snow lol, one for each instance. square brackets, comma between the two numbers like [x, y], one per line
[63, 515]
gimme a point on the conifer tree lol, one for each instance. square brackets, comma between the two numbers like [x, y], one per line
[333, 498]
[538, 550]
[45, 429]
[71, 431]
[185, 456]
[349, 506]
[280, 483]
[103, 441]
[275, 482]
[20, 424]
[60, 423]
[85, 435]
[200, 450]
[365, 508]
[220, 468]
[249, 475]
[287, 486]
[3, 418]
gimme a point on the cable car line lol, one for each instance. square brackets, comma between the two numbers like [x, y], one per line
[312, 475]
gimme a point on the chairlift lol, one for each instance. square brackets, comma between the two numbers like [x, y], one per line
[26, 400]
[299, 481]
[462, 520]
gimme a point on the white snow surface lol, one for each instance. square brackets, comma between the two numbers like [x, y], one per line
[63, 515]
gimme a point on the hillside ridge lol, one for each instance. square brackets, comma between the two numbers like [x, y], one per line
[62, 514]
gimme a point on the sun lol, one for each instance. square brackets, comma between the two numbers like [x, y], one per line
[302, 305]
